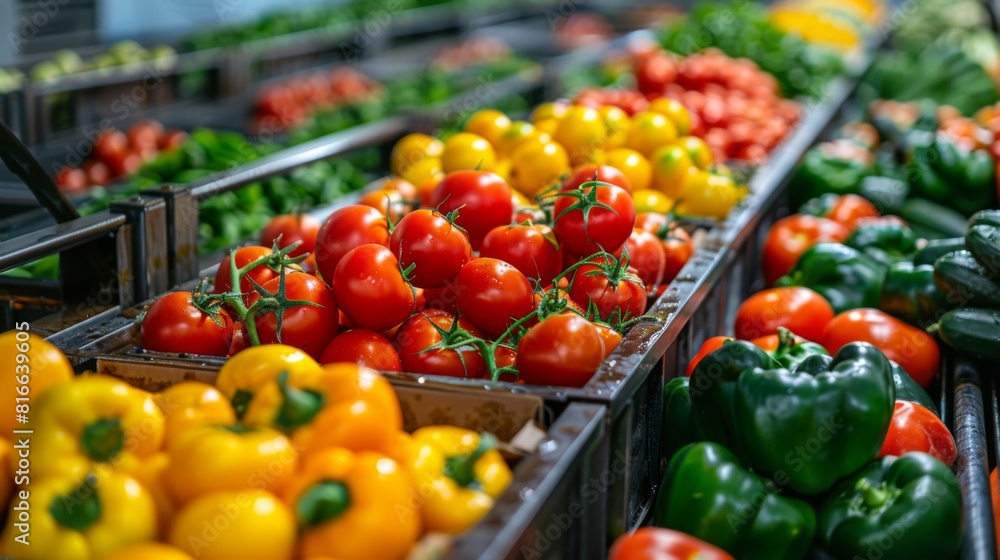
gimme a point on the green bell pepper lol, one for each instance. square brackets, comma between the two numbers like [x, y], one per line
[708, 494]
[908, 390]
[896, 508]
[807, 426]
[677, 427]
[824, 172]
[846, 277]
[909, 292]
[947, 174]
[885, 242]
[791, 353]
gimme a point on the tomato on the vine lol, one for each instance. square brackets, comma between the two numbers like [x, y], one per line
[482, 198]
[291, 228]
[647, 255]
[492, 294]
[593, 218]
[307, 327]
[530, 248]
[420, 332]
[345, 229]
[363, 347]
[260, 274]
[371, 289]
[174, 324]
[432, 245]
[563, 350]
[603, 173]
[617, 293]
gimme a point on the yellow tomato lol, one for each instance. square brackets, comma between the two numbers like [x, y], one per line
[675, 111]
[149, 551]
[227, 525]
[30, 366]
[548, 126]
[698, 151]
[502, 168]
[519, 200]
[411, 149]
[535, 167]
[709, 195]
[581, 132]
[650, 131]
[648, 200]
[423, 171]
[467, 151]
[548, 110]
[518, 133]
[670, 168]
[616, 122]
[634, 165]
[488, 123]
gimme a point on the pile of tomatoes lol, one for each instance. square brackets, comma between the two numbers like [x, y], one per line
[282, 105]
[116, 154]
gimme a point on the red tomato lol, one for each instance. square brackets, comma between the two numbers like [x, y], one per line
[481, 198]
[770, 343]
[393, 203]
[145, 133]
[850, 208]
[610, 337]
[493, 294]
[97, 172]
[914, 428]
[72, 179]
[913, 349]
[444, 298]
[124, 165]
[173, 324]
[603, 173]
[345, 229]
[260, 274]
[402, 186]
[420, 332]
[679, 248]
[707, 347]
[371, 289]
[563, 350]
[532, 249]
[363, 347]
[792, 236]
[240, 339]
[654, 72]
[172, 139]
[653, 222]
[995, 495]
[800, 310]
[308, 327]
[110, 146]
[617, 297]
[436, 249]
[291, 228]
[584, 228]
[647, 255]
[655, 543]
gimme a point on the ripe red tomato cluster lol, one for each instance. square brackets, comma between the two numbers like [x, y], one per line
[282, 105]
[117, 154]
[456, 289]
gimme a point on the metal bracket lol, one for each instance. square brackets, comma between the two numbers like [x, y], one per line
[145, 251]
[182, 232]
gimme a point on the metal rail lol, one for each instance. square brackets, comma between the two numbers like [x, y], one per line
[53, 239]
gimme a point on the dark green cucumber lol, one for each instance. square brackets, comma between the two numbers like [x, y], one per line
[937, 248]
[985, 218]
[965, 282]
[972, 330]
[908, 390]
[984, 243]
[920, 212]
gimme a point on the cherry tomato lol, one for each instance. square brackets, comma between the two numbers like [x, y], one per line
[647, 256]
[260, 274]
[436, 249]
[481, 198]
[913, 349]
[307, 327]
[123, 165]
[172, 139]
[583, 228]
[617, 298]
[532, 249]
[914, 428]
[420, 332]
[800, 310]
[173, 324]
[387, 202]
[707, 347]
[292, 228]
[603, 173]
[363, 347]
[97, 173]
[654, 72]
[493, 294]
[345, 229]
[72, 179]
[790, 237]
[563, 350]
[111, 145]
[371, 289]
[145, 133]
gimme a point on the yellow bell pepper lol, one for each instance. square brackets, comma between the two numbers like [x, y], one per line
[458, 475]
[243, 375]
[30, 365]
[79, 518]
[149, 551]
[228, 458]
[7, 486]
[353, 506]
[342, 405]
[149, 472]
[91, 424]
[191, 404]
[235, 525]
